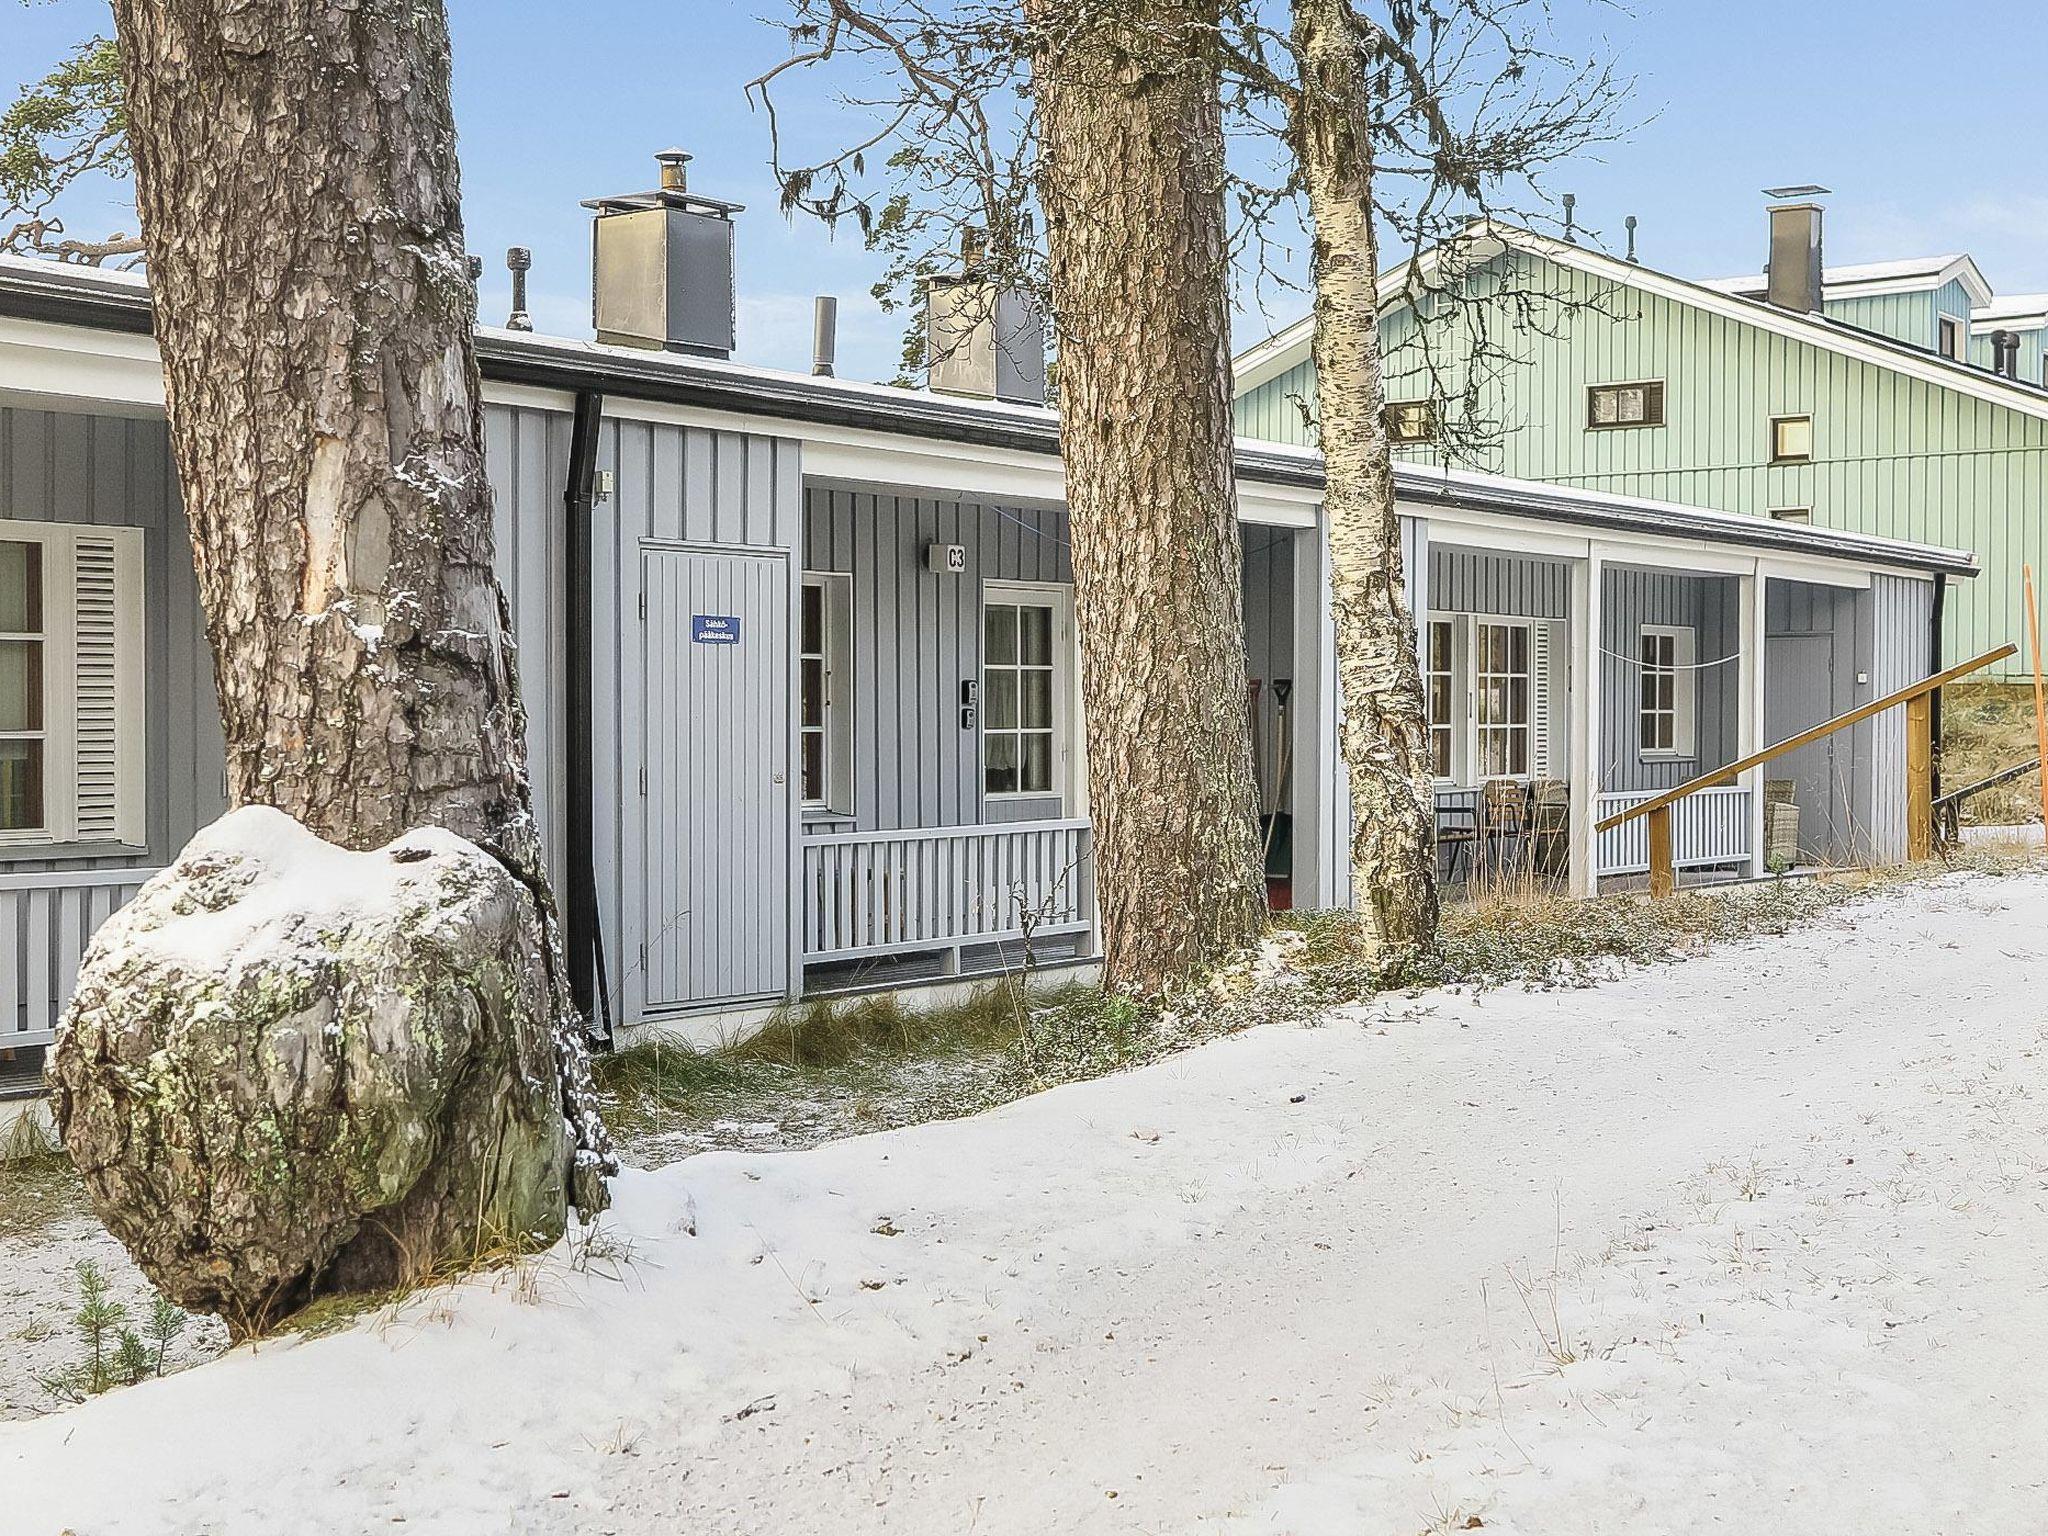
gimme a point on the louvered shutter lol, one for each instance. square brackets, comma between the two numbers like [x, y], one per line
[96, 620]
[1540, 695]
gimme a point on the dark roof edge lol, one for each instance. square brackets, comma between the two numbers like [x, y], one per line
[59, 295]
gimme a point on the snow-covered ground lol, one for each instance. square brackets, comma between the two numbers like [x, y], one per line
[1751, 1243]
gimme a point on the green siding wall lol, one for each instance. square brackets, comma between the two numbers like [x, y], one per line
[1894, 456]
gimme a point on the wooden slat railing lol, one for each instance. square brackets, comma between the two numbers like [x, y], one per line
[1919, 769]
[46, 921]
[877, 893]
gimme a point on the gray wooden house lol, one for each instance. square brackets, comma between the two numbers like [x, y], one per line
[801, 664]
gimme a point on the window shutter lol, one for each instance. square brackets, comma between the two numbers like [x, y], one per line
[95, 595]
[1539, 701]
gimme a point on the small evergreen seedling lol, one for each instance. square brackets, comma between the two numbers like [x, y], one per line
[110, 1353]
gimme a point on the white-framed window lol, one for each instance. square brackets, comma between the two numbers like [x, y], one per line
[1791, 439]
[71, 711]
[1948, 336]
[825, 693]
[1440, 679]
[1503, 656]
[1791, 514]
[1666, 713]
[1026, 669]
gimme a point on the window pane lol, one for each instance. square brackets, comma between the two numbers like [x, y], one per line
[812, 691]
[1629, 404]
[1440, 752]
[21, 588]
[1518, 700]
[1518, 752]
[1036, 774]
[1518, 648]
[1603, 407]
[1001, 700]
[1794, 438]
[21, 786]
[1038, 698]
[1000, 775]
[814, 765]
[1439, 646]
[1002, 634]
[1034, 636]
[813, 639]
[1439, 701]
[21, 685]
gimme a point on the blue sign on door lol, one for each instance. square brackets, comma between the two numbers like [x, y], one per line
[715, 628]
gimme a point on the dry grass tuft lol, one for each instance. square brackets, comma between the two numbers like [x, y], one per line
[1987, 727]
[38, 1185]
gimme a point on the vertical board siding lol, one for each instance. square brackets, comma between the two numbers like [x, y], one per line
[1882, 635]
[669, 483]
[1895, 456]
[917, 637]
[1507, 586]
[1631, 598]
[116, 471]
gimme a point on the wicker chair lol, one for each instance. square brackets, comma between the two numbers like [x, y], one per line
[1549, 827]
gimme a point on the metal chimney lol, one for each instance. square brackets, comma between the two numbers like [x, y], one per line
[983, 340]
[2005, 353]
[1793, 278]
[519, 261]
[824, 335]
[662, 266]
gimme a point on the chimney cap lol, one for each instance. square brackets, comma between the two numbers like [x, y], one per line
[1804, 189]
[518, 258]
[670, 194]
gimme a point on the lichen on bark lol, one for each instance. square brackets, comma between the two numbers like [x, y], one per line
[290, 1070]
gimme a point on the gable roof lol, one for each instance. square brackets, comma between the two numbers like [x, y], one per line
[2014, 312]
[1919, 274]
[1289, 347]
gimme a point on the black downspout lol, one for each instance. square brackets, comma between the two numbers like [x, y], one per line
[588, 984]
[1934, 699]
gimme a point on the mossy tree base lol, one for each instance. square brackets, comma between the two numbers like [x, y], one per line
[290, 1071]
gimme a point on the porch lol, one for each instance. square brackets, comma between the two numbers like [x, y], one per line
[1567, 685]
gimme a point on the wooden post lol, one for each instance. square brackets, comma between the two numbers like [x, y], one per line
[2040, 708]
[1663, 876]
[1919, 777]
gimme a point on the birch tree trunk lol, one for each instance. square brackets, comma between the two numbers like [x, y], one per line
[1131, 181]
[297, 184]
[1385, 735]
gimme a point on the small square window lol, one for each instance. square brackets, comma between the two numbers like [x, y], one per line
[1625, 405]
[1791, 439]
[1791, 514]
[1410, 421]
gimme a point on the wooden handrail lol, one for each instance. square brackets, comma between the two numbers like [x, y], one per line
[2003, 776]
[1856, 716]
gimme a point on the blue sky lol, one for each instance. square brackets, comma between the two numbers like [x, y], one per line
[1922, 118]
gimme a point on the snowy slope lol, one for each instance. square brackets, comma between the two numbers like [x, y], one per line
[1796, 1188]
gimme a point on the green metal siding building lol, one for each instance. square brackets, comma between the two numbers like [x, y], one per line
[1905, 442]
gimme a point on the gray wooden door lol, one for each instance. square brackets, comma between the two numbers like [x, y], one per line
[718, 768]
[1799, 693]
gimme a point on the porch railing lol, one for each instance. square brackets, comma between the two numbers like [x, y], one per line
[876, 893]
[1659, 810]
[46, 921]
[1708, 828]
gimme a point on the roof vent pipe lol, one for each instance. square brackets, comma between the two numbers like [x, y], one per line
[1571, 215]
[519, 261]
[662, 266]
[1793, 278]
[824, 336]
[2005, 353]
[1630, 224]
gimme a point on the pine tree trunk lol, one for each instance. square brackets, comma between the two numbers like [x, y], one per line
[1131, 182]
[1385, 734]
[299, 195]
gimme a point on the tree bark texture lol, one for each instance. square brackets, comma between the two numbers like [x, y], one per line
[299, 196]
[1384, 737]
[1131, 182]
